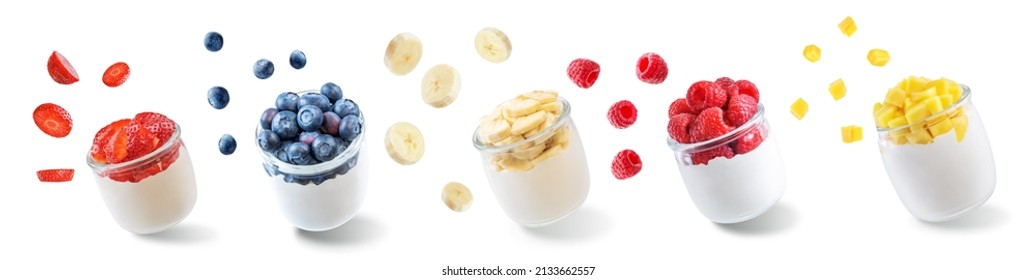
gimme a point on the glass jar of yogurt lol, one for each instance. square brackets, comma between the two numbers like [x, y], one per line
[539, 177]
[151, 193]
[950, 174]
[738, 188]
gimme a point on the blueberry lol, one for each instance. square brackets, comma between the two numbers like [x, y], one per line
[324, 147]
[310, 118]
[219, 97]
[352, 161]
[297, 59]
[288, 101]
[308, 137]
[315, 99]
[227, 144]
[342, 145]
[319, 180]
[350, 128]
[213, 41]
[270, 169]
[298, 153]
[330, 125]
[268, 140]
[266, 119]
[285, 125]
[288, 178]
[263, 69]
[332, 91]
[301, 181]
[282, 153]
[345, 107]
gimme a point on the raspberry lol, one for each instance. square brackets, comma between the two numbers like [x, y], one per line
[116, 74]
[724, 81]
[705, 94]
[746, 87]
[652, 69]
[622, 114]
[678, 106]
[583, 72]
[679, 127]
[626, 164]
[709, 124]
[52, 120]
[704, 157]
[740, 109]
[55, 175]
[749, 141]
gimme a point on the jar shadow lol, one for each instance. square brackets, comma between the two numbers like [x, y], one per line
[358, 230]
[183, 233]
[781, 217]
[984, 217]
[585, 223]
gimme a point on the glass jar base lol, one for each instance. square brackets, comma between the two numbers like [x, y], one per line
[750, 215]
[957, 214]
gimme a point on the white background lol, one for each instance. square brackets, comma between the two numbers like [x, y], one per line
[839, 217]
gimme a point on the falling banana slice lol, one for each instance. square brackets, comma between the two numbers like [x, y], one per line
[403, 53]
[440, 86]
[493, 45]
[404, 143]
[457, 196]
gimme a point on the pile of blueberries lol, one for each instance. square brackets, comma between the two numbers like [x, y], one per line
[308, 129]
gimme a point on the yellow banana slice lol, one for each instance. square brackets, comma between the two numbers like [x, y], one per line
[404, 143]
[493, 45]
[457, 197]
[403, 53]
[440, 86]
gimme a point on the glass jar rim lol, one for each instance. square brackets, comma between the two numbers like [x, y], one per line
[724, 139]
[965, 98]
[313, 169]
[173, 141]
[563, 119]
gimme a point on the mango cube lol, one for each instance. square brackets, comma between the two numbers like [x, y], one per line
[896, 97]
[922, 94]
[851, 133]
[946, 100]
[960, 126]
[940, 128]
[848, 26]
[877, 106]
[837, 89]
[878, 57]
[919, 137]
[884, 115]
[812, 53]
[799, 108]
[897, 122]
[934, 105]
[917, 113]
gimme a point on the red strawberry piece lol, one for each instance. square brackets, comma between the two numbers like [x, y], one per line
[705, 94]
[740, 109]
[124, 177]
[626, 164]
[679, 106]
[749, 141]
[680, 126]
[709, 124]
[60, 70]
[652, 69]
[158, 124]
[724, 81]
[55, 175]
[583, 72]
[116, 74]
[170, 157]
[622, 114]
[146, 171]
[704, 157]
[746, 87]
[103, 136]
[52, 120]
[115, 150]
[140, 142]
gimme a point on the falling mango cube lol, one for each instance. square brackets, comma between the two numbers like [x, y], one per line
[852, 133]
[812, 53]
[848, 26]
[878, 57]
[837, 89]
[799, 108]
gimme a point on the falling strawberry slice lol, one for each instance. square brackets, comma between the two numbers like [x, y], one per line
[55, 175]
[60, 70]
[116, 74]
[52, 120]
[103, 136]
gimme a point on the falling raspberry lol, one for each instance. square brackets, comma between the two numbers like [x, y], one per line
[622, 114]
[626, 164]
[652, 69]
[583, 72]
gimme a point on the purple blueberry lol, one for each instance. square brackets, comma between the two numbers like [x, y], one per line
[330, 125]
[282, 152]
[287, 101]
[285, 125]
[332, 91]
[308, 137]
[324, 147]
[268, 140]
[345, 107]
[267, 118]
[341, 145]
[315, 99]
[299, 153]
[350, 128]
[310, 118]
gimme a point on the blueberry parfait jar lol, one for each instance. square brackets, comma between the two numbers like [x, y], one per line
[313, 150]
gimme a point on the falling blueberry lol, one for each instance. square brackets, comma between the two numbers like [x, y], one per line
[285, 125]
[350, 128]
[315, 99]
[332, 91]
[310, 118]
[227, 144]
[324, 147]
[345, 107]
[266, 119]
[263, 69]
[297, 59]
[287, 101]
[268, 140]
[219, 97]
[213, 41]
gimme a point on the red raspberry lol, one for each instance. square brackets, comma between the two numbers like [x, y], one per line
[626, 164]
[704, 157]
[746, 87]
[680, 126]
[725, 81]
[622, 114]
[583, 72]
[678, 106]
[740, 109]
[749, 141]
[652, 69]
[56, 175]
[705, 94]
[709, 124]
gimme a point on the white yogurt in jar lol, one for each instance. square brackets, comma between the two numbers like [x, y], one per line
[155, 203]
[326, 206]
[724, 192]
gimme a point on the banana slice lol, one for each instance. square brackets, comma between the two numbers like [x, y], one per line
[403, 53]
[529, 153]
[528, 123]
[515, 164]
[493, 45]
[546, 154]
[495, 130]
[457, 197]
[404, 143]
[440, 86]
[523, 107]
[553, 107]
[543, 96]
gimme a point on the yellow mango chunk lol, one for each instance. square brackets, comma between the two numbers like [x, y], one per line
[902, 132]
[897, 122]
[919, 137]
[848, 26]
[945, 100]
[923, 94]
[878, 57]
[896, 97]
[799, 108]
[940, 128]
[812, 53]
[900, 140]
[934, 105]
[851, 133]
[837, 89]
[877, 106]
[917, 113]
[884, 115]
[960, 126]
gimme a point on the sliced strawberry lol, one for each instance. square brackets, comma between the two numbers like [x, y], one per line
[146, 171]
[56, 175]
[60, 70]
[140, 141]
[115, 150]
[124, 177]
[170, 157]
[116, 74]
[103, 136]
[52, 120]
[158, 124]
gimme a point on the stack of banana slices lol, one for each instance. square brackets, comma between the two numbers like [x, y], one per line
[520, 119]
